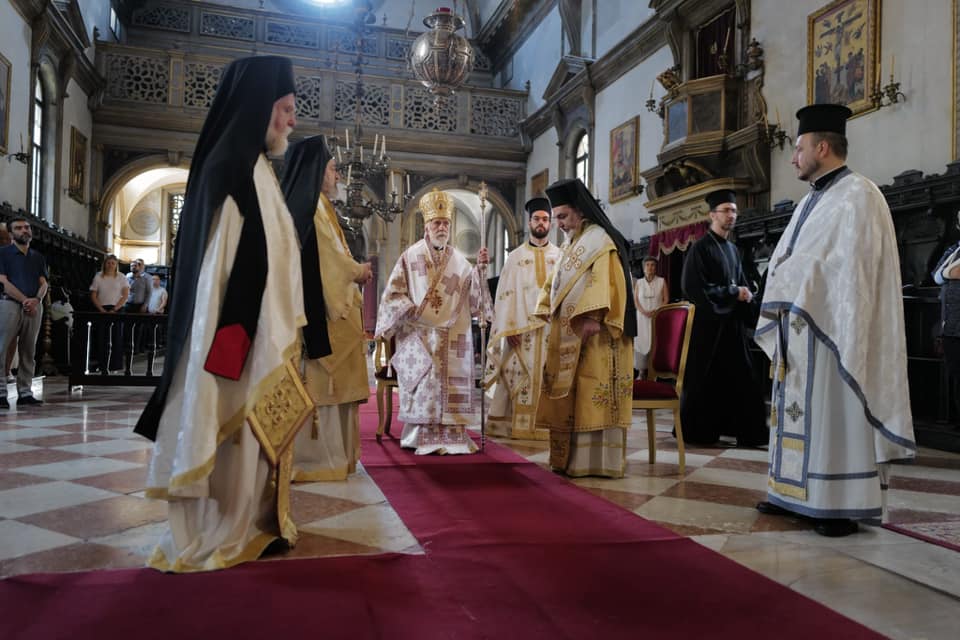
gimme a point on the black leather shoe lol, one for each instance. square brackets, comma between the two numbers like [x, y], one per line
[774, 510]
[834, 527]
[27, 400]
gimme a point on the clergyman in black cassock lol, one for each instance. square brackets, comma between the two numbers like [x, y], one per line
[721, 390]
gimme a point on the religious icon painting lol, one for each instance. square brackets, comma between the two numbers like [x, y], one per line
[539, 182]
[624, 176]
[843, 54]
[78, 163]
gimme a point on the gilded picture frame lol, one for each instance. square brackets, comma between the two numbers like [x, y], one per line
[843, 54]
[539, 183]
[624, 150]
[6, 70]
[78, 164]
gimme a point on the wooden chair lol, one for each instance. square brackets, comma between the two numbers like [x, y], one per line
[672, 324]
[386, 379]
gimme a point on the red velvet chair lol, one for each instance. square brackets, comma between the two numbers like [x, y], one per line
[672, 324]
[386, 379]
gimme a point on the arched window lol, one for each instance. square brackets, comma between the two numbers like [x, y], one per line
[581, 159]
[36, 143]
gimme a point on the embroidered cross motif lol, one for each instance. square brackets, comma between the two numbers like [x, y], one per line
[460, 345]
[794, 411]
[798, 324]
[450, 283]
[421, 266]
[573, 260]
[434, 300]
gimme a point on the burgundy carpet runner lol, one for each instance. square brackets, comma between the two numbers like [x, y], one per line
[512, 551]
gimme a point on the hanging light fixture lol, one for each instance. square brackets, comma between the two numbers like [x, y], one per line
[356, 166]
[442, 59]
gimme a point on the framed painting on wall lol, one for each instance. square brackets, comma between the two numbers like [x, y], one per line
[843, 54]
[623, 160]
[5, 72]
[539, 182]
[78, 164]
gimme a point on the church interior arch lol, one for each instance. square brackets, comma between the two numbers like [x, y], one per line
[140, 212]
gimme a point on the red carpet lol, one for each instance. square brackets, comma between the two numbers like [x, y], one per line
[513, 551]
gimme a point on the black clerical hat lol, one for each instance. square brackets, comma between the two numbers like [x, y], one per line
[537, 204]
[569, 191]
[823, 117]
[719, 197]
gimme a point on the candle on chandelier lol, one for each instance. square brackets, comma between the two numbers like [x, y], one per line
[376, 139]
[393, 182]
[339, 155]
[361, 154]
[408, 184]
[347, 131]
[349, 173]
[383, 146]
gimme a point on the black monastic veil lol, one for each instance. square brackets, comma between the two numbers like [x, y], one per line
[231, 140]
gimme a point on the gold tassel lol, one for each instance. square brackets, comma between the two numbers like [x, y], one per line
[314, 427]
[773, 413]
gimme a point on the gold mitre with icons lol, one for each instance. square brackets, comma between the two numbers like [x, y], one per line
[436, 204]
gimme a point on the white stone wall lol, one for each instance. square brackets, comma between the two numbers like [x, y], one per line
[75, 215]
[616, 19]
[537, 59]
[15, 39]
[911, 135]
[616, 104]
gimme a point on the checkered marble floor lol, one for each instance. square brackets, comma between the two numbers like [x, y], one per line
[72, 474]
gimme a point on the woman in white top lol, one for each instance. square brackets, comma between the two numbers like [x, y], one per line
[108, 293]
[650, 292]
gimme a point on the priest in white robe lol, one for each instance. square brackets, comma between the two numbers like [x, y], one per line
[427, 305]
[230, 400]
[517, 348]
[649, 294]
[335, 371]
[832, 324]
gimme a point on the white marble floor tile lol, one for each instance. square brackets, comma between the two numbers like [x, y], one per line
[140, 540]
[18, 539]
[120, 433]
[374, 526]
[670, 457]
[13, 447]
[922, 501]
[758, 455]
[708, 515]
[30, 432]
[925, 473]
[82, 468]
[541, 457]
[47, 422]
[360, 489]
[47, 496]
[106, 447]
[937, 567]
[729, 478]
[631, 484]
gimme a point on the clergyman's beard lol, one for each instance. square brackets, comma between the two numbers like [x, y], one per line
[277, 145]
[539, 232]
[438, 241]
